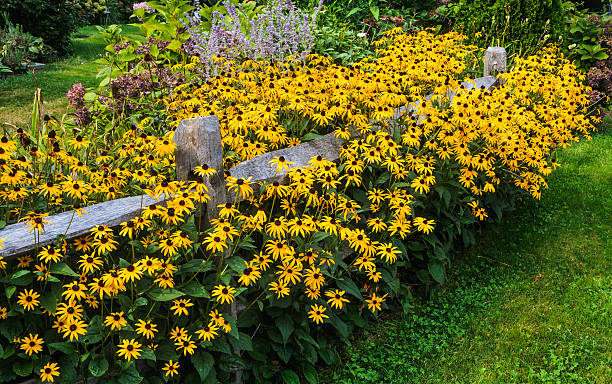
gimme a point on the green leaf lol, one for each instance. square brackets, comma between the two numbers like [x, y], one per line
[195, 289]
[98, 365]
[243, 343]
[194, 265]
[22, 277]
[310, 374]
[65, 347]
[346, 284]
[236, 264]
[290, 377]
[10, 290]
[148, 354]
[160, 294]
[49, 300]
[203, 362]
[23, 368]
[285, 326]
[10, 328]
[130, 376]
[437, 271]
[375, 12]
[62, 269]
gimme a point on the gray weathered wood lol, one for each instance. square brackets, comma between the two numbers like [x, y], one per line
[198, 142]
[495, 61]
[259, 169]
[20, 240]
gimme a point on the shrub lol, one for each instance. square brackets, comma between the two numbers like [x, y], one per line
[523, 24]
[52, 20]
[16, 46]
[402, 195]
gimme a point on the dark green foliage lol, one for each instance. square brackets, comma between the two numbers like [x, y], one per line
[52, 20]
[523, 25]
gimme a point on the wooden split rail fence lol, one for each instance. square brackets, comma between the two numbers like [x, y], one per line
[198, 141]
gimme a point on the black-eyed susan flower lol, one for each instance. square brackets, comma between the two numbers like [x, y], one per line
[224, 293]
[336, 298]
[129, 349]
[181, 306]
[317, 313]
[146, 328]
[48, 371]
[208, 332]
[115, 321]
[73, 329]
[375, 302]
[32, 344]
[74, 291]
[186, 345]
[28, 299]
[89, 263]
[171, 368]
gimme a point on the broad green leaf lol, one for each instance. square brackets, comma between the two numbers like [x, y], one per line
[23, 368]
[285, 326]
[438, 272]
[195, 289]
[22, 277]
[65, 347]
[310, 374]
[49, 299]
[10, 290]
[148, 354]
[346, 284]
[243, 343]
[160, 294]
[98, 365]
[203, 362]
[130, 376]
[290, 377]
[62, 269]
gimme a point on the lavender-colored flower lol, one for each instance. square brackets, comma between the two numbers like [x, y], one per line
[143, 5]
[280, 30]
[75, 95]
[82, 117]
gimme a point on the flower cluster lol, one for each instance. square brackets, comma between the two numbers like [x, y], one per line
[279, 30]
[329, 248]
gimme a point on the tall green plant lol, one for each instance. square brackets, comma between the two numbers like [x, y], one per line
[523, 25]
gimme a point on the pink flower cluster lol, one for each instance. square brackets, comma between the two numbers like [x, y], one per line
[143, 5]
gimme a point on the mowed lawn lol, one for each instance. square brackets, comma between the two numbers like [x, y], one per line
[532, 303]
[17, 91]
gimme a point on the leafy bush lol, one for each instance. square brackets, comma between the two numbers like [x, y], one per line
[600, 75]
[583, 37]
[525, 25]
[154, 298]
[52, 20]
[16, 46]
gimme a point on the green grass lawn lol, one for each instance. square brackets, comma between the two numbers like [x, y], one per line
[532, 303]
[17, 91]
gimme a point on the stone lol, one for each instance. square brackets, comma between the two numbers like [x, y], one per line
[20, 240]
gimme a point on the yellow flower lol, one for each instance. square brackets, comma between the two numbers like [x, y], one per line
[336, 298]
[129, 349]
[180, 307]
[317, 313]
[224, 293]
[171, 368]
[281, 164]
[32, 344]
[208, 332]
[48, 371]
[146, 329]
[27, 299]
[187, 345]
[115, 320]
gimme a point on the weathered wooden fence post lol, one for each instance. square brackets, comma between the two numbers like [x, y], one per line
[495, 61]
[198, 142]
